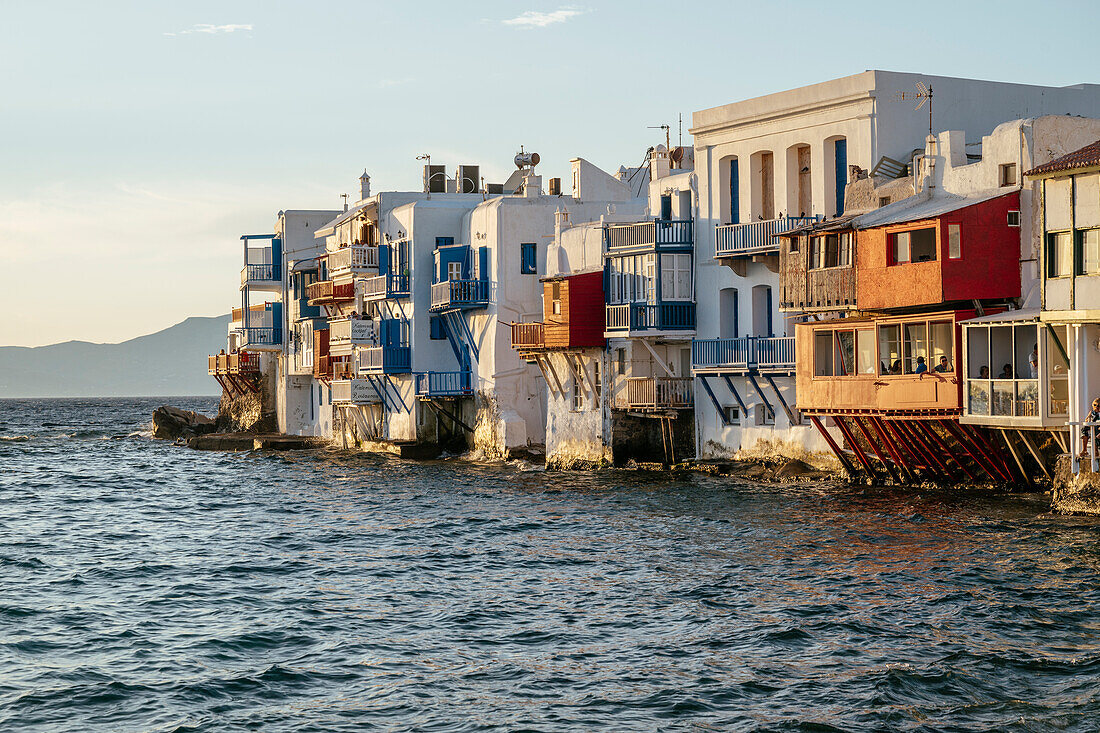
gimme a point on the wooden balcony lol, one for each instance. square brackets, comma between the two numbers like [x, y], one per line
[675, 232]
[320, 292]
[235, 363]
[527, 337]
[353, 392]
[444, 384]
[658, 393]
[357, 258]
[624, 318]
[754, 238]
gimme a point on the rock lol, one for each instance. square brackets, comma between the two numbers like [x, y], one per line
[794, 468]
[170, 423]
[223, 441]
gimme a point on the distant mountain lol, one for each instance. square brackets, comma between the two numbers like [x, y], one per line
[171, 362]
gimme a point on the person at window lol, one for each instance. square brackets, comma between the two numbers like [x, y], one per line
[1090, 431]
[1006, 373]
[943, 367]
[921, 367]
[983, 373]
[895, 368]
[1033, 362]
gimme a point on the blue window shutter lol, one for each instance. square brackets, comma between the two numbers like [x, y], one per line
[768, 305]
[383, 259]
[735, 193]
[666, 207]
[435, 328]
[841, 158]
[483, 263]
[528, 258]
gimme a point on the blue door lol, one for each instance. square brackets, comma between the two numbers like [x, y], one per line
[735, 193]
[841, 158]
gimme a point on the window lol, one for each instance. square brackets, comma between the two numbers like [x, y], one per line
[823, 354]
[829, 251]
[1059, 254]
[650, 278]
[865, 350]
[732, 414]
[889, 349]
[435, 328]
[555, 299]
[528, 258]
[954, 241]
[1088, 252]
[675, 277]
[454, 271]
[795, 242]
[620, 361]
[883, 201]
[845, 250]
[1008, 174]
[1014, 218]
[918, 245]
[941, 345]
[578, 394]
[764, 414]
[916, 347]
[444, 241]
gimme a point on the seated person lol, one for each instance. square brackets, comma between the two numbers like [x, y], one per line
[921, 367]
[1087, 431]
[895, 368]
[943, 367]
[1006, 373]
[983, 373]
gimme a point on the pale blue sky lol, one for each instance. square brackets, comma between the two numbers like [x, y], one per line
[138, 140]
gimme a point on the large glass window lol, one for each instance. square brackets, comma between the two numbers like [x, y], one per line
[918, 245]
[1057, 367]
[1059, 254]
[941, 336]
[1088, 252]
[675, 277]
[845, 249]
[845, 353]
[865, 347]
[1002, 366]
[823, 353]
[916, 348]
[889, 349]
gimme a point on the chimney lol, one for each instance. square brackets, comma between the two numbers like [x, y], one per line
[364, 186]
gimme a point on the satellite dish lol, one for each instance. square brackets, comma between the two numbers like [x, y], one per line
[677, 154]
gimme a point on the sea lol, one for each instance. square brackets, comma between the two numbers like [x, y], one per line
[148, 587]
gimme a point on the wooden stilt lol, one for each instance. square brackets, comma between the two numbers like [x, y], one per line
[832, 444]
[904, 445]
[971, 450]
[878, 451]
[1015, 456]
[864, 461]
[914, 442]
[941, 464]
[992, 454]
[1034, 452]
[903, 466]
[943, 446]
[1060, 440]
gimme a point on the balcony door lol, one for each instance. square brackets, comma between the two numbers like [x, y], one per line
[762, 311]
[727, 313]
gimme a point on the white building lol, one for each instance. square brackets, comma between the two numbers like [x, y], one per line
[775, 162]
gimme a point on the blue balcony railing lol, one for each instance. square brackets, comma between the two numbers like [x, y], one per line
[385, 360]
[444, 384]
[269, 272]
[262, 336]
[668, 316]
[766, 354]
[451, 294]
[757, 237]
[659, 232]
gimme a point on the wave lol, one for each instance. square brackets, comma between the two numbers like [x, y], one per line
[14, 438]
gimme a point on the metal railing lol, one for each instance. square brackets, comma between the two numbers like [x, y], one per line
[356, 257]
[528, 336]
[768, 353]
[385, 360]
[660, 231]
[668, 316]
[460, 293]
[444, 384]
[656, 393]
[350, 329]
[386, 286]
[262, 336]
[260, 273]
[755, 237]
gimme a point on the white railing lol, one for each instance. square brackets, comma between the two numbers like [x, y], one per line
[351, 329]
[353, 258]
[756, 236]
[659, 392]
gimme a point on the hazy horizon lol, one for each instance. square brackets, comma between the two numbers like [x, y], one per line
[143, 139]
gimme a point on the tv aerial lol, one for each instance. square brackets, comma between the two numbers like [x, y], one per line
[923, 94]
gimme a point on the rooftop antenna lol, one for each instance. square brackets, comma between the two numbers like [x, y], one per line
[428, 183]
[666, 128]
[680, 141]
[345, 197]
[924, 94]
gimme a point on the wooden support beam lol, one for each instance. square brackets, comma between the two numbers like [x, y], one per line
[832, 444]
[905, 445]
[786, 407]
[936, 438]
[554, 374]
[1060, 440]
[1034, 452]
[759, 391]
[930, 451]
[992, 454]
[971, 450]
[656, 357]
[1015, 456]
[447, 413]
[878, 451]
[864, 461]
[899, 461]
[736, 394]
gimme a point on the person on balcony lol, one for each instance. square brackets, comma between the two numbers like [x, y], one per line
[1088, 431]
[1006, 373]
[983, 373]
[921, 367]
[895, 368]
[943, 367]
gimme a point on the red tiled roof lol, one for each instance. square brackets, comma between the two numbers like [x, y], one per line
[1083, 158]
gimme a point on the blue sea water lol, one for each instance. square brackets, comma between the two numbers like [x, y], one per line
[147, 587]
